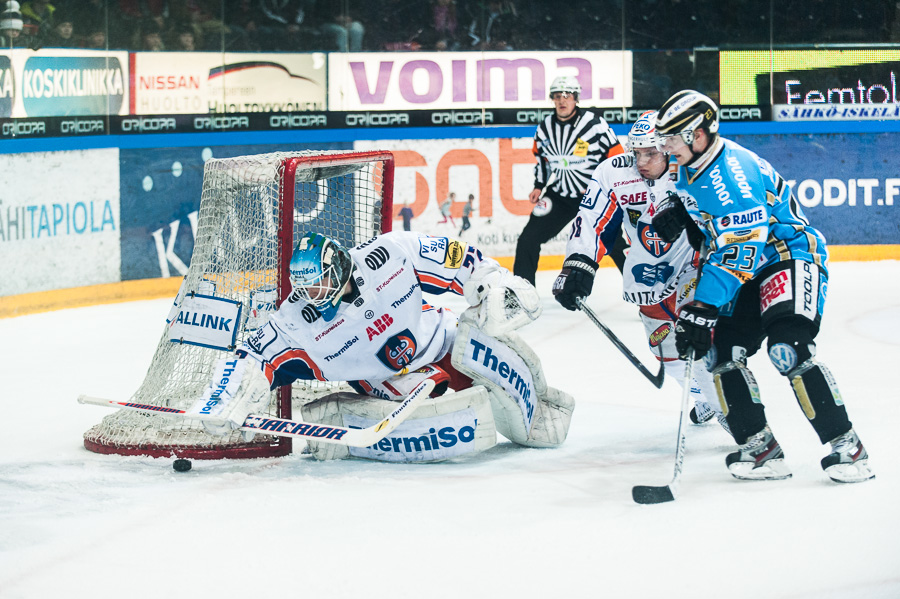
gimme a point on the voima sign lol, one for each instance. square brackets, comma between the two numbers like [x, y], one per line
[459, 80]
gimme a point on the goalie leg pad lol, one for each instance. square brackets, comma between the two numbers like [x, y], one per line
[237, 389]
[526, 410]
[441, 428]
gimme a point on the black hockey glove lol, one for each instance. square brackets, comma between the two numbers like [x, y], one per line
[670, 218]
[574, 281]
[694, 329]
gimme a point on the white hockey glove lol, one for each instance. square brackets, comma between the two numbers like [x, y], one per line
[238, 388]
[501, 302]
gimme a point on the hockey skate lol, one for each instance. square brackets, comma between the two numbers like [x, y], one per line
[848, 461]
[701, 412]
[760, 458]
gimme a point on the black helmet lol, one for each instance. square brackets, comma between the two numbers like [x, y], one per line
[684, 113]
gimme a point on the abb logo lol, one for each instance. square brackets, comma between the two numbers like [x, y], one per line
[380, 325]
[775, 289]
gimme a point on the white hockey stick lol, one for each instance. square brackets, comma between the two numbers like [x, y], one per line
[282, 427]
[647, 494]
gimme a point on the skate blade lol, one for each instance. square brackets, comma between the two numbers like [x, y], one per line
[774, 469]
[856, 472]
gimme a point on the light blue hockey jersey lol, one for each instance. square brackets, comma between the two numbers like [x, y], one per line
[750, 218]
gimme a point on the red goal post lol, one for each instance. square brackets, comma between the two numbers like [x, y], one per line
[251, 210]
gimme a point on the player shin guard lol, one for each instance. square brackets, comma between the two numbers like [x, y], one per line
[819, 397]
[526, 410]
[739, 398]
[440, 428]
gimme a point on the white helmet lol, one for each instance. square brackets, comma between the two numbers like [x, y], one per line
[566, 84]
[643, 132]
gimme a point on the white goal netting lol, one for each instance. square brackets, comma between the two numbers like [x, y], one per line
[251, 210]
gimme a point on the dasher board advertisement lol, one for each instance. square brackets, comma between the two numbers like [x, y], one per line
[60, 82]
[440, 80]
[803, 85]
[204, 82]
[59, 220]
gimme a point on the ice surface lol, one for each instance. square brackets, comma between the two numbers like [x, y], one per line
[511, 522]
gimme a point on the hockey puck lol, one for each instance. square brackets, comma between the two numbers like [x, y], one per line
[181, 465]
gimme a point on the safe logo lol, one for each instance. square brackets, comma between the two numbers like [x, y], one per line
[399, 350]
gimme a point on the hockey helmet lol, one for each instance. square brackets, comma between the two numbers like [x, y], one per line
[565, 84]
[684, 113]
[643, 132]
[320, 268]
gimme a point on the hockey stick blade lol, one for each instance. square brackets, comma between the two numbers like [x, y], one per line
[655, 379]
[282, 427]
[648, 495]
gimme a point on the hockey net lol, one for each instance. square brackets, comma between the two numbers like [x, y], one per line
[251, 210]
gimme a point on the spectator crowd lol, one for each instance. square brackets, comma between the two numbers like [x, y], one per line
[437, 25]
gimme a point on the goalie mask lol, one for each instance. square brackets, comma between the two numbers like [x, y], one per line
[320, 269]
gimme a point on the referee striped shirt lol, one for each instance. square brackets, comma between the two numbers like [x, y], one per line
[569, 151]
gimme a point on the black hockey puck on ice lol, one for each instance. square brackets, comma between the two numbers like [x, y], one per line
[181, 465]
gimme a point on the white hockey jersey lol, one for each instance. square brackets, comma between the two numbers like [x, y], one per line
[618, 197]
[388, 328]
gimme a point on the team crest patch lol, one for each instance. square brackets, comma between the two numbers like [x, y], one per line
[399, 350]
[651, 240]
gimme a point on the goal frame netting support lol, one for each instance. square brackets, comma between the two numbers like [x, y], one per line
[187, 439]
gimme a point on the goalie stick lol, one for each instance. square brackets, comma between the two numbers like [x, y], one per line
[656, 379]
[282, 427]
[647, 494]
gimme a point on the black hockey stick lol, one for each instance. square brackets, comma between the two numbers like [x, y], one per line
[646, 494]
[656, 379]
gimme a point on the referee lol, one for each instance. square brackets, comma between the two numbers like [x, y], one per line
[569, 145]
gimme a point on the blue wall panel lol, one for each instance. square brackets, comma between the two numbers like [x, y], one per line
[832, 169]
[161, 186]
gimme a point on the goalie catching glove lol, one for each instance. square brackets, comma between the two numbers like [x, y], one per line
[238, 389]
[501, 302]
[576, 280]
